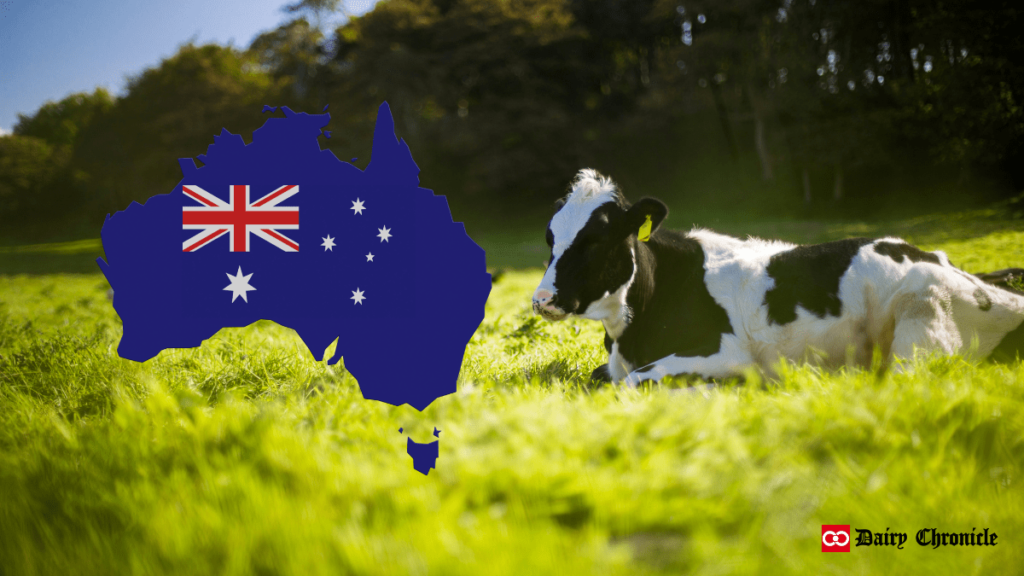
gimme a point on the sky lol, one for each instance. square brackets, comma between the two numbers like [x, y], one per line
[52, 48]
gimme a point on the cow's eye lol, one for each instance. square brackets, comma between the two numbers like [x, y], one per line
[549, 238]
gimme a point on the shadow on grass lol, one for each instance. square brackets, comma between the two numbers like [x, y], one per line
[77, 257]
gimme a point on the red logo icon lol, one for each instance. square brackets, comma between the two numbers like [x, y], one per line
[835, 538]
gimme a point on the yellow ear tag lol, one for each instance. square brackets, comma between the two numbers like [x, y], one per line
[645, 230]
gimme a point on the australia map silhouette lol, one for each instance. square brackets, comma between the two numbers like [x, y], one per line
[281, 230]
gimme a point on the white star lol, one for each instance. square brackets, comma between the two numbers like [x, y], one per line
[239, 285]
[328, 244]
[369, 257]
[357, 295]
[385, 233]
[357, 207]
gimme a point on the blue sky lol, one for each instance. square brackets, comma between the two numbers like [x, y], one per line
[52, 48]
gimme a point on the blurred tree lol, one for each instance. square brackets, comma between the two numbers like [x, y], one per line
[505, 99]
[36, 177]
[320, 9]
[513, 93]
[963, 94]
[626, 35]
[856, 85]
[478, 79]
[60, 123]
[832, 116]
[721, 46]
[27, 167]
[171, 111]
[293, 53]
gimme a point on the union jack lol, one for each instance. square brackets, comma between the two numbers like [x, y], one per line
[239, 217]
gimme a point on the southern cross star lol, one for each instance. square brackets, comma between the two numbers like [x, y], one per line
[328, 243]
[385, 233]
[357, 207]
[357, 295]
[239, 285]
[369, 257]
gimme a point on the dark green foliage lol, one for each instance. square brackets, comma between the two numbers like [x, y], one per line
[171, 111]
[782, 108]
[26, 172]
[38, 179]
[503, 90]
[61, 123]
[78, 159]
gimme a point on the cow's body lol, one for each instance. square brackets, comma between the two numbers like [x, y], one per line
[711, 305]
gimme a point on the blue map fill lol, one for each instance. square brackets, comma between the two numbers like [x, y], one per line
[424, 456]
[402, 319]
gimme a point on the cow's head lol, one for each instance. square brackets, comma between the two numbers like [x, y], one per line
[592, 237]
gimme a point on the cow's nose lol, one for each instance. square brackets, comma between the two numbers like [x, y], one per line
[542, 296]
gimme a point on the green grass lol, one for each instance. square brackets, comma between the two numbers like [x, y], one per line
[246, 456]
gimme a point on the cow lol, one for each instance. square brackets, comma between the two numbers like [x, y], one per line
[704, 304]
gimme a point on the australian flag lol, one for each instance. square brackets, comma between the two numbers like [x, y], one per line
[279, 229]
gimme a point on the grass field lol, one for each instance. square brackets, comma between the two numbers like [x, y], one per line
[246, 456]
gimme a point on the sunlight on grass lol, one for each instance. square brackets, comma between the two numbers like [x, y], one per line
[75, 247]
[247, 456]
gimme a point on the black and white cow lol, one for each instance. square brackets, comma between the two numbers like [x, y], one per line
[711, 305]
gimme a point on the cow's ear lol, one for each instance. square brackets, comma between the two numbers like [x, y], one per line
[560, 202]
[636, 216]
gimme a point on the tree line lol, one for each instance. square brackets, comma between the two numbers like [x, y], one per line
[779, 106]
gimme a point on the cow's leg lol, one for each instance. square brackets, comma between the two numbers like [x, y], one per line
[601, 374]
[730, 360]
[938, 311]
[923, 322]
[1004, 278]
[1011, 347]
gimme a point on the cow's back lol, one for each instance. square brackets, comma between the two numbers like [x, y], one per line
[835, 303]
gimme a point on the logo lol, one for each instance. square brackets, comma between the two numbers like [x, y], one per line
[835, 537]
